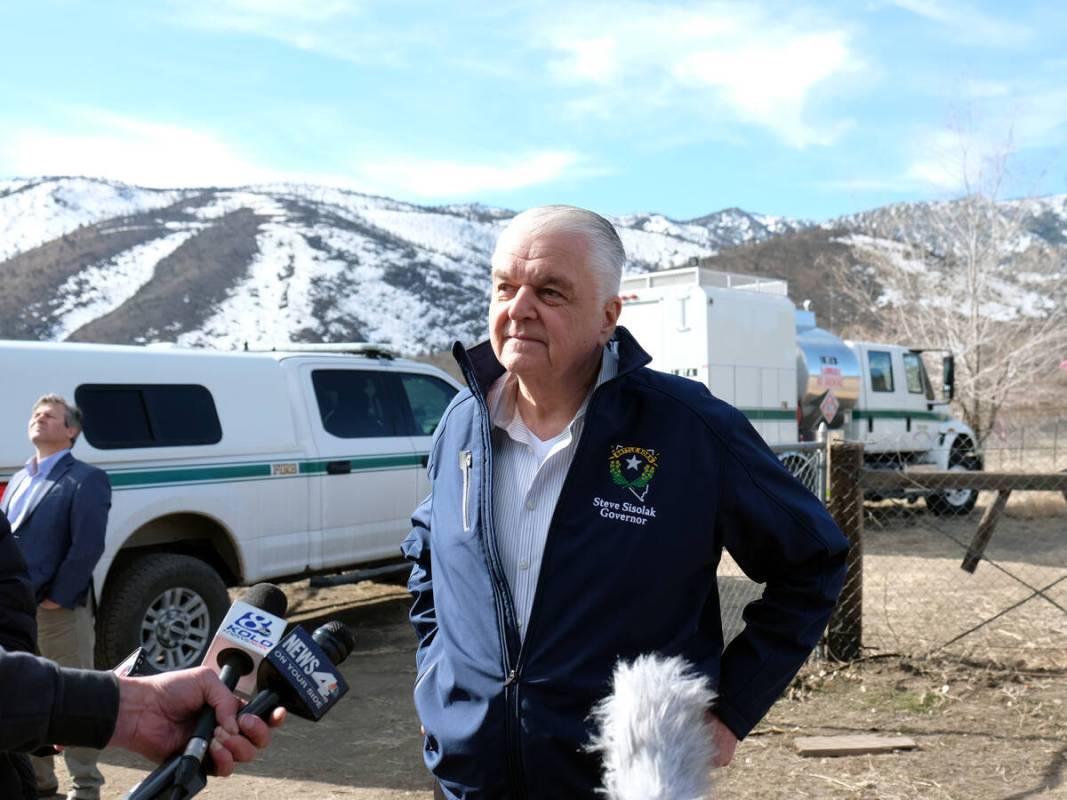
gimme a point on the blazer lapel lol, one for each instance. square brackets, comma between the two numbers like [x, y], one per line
[58, 471]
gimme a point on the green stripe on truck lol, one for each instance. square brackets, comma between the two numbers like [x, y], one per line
[132, 479]
[897, 414]
[773, 414]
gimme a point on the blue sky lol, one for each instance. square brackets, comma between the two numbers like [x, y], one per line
[800, 109]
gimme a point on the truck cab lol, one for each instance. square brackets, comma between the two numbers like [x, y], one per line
[897, 412]
[903, 425]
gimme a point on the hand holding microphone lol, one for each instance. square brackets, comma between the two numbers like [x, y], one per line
[156, 716]
[297, 674]
[250, 630]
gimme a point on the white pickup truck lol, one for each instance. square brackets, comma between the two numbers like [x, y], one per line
[228, 469]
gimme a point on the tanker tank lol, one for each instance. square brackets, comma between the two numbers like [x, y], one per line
[828, 378]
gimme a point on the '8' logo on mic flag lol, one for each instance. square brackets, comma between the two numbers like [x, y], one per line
[252, 627]
[255, 623]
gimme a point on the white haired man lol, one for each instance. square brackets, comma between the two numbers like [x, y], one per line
[58, 508]
[579, 507]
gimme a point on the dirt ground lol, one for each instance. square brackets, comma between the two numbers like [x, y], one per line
[982, 731]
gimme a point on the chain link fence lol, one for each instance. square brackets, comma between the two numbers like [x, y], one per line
[963, 556]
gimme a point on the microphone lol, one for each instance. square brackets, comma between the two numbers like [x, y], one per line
[301, 673]
[651, 734]
[311, 657]
[249, 631]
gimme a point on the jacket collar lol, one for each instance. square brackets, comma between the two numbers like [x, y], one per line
[59, 469]
[481, 369]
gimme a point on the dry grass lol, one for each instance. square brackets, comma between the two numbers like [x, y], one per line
[1036, 505]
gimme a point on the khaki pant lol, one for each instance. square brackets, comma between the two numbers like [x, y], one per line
[66, 636]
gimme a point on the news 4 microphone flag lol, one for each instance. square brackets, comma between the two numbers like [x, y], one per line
[309, 672]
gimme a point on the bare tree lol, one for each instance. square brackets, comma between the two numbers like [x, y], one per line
[976, 284]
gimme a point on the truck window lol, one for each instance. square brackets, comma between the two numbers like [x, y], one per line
[428, 398]
[881, 366]
[913, 373]
[352, 403]
[119, 416]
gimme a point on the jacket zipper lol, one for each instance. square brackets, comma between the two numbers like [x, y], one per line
[520, 661]
[466, 459]
[511, 689]
[506, 618]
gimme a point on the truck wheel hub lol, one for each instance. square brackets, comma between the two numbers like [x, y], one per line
[174, 632]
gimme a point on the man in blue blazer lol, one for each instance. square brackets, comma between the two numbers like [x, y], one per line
[57, 507]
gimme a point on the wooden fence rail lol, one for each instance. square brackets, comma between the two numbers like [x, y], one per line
[849, 480]
[885, 479]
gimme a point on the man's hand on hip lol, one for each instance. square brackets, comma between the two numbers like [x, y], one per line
[723, 741]
[50, 605]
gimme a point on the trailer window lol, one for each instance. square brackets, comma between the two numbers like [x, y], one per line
[428, 398]
[881, 366]
[120, 416]
[352, 403]
[913, 373]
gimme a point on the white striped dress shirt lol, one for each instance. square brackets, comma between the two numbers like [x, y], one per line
[528, 474]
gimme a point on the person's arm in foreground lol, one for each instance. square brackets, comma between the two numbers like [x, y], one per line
[43, 703]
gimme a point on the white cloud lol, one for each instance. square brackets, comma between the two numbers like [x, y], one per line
[334, 28]
[267, 17]
[739, 62]
[968, 22]
[440, 178]
[132, 150]
[146, 153]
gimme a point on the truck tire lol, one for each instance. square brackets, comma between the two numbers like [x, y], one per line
[956, 502]
[168, 603]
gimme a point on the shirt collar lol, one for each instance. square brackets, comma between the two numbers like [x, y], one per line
[43, 467]
[501, 398]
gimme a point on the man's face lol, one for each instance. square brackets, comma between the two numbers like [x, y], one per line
[546, 318]
[48, 428]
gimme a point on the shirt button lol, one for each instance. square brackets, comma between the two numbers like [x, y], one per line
[524, 564]
[530, 505]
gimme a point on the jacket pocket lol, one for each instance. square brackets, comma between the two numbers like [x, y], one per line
[466, 460]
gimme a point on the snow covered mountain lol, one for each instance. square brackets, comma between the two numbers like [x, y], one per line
[92, 260]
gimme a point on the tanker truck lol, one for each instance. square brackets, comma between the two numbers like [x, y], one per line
[743, 338]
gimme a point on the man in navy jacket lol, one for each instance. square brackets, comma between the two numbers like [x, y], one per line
[579, 507]
[58, 508]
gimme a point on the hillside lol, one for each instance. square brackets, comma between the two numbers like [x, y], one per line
[93, 260]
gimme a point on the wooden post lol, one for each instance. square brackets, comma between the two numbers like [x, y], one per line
[845, 633]
[985, 531]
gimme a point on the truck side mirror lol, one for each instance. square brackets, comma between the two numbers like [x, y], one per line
[948, 377]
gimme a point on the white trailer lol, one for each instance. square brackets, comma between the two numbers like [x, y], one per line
[742, 337]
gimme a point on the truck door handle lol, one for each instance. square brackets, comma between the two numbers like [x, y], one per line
[338, 467]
